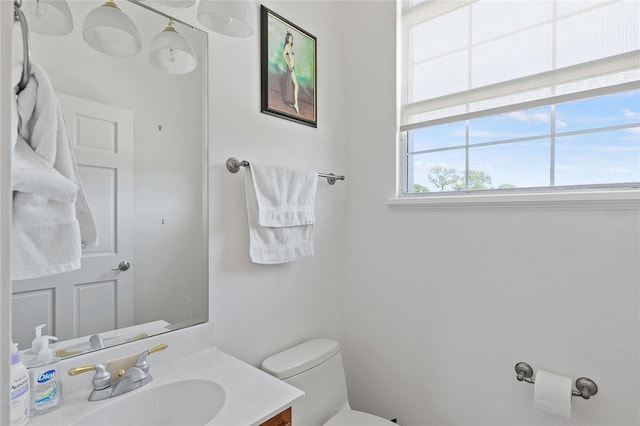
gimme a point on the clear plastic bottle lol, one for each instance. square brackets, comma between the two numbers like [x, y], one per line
[29, 357]
[46, 392]
[19, 392]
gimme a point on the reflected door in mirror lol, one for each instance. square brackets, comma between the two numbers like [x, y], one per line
[99, 296]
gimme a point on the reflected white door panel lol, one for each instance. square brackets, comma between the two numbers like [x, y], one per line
[98, 297]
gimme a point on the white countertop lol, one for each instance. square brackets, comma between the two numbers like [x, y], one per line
[252, 396]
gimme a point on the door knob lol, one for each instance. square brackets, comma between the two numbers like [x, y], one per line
[123, 266]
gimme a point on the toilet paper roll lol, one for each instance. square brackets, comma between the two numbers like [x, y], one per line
[552, 393]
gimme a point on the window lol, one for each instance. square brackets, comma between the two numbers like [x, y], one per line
[506, 95]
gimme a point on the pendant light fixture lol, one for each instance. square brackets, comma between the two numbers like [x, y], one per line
[171, 53]
[50, 17]
[108, 30]
[232, 18]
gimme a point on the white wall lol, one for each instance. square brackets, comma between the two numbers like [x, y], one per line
[437, 306]
[440, 305]
[261, 309]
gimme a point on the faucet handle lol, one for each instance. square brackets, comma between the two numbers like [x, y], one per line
[102, 378]
[142, 362]
[160, 347]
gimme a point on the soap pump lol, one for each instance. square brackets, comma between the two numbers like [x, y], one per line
[46, 393]
[36, 345]
[45, 355]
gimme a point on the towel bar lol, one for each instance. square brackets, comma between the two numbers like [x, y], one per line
[586, 387]
[233, 165]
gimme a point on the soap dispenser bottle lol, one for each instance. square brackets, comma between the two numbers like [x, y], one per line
[46, 392]
[19, 390]
[36, 345]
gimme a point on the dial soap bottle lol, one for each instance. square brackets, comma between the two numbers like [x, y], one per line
[46, 394]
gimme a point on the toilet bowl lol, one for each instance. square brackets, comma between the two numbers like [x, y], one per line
[316, 368]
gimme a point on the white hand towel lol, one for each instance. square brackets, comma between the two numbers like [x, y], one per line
[289, 208]
[45, 238]
[51, 223]
[30, 173]
[285, 196]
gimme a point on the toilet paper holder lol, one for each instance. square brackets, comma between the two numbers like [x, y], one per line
[586, 387]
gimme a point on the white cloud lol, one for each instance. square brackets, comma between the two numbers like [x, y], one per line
[487, 134]
[620, 170]
[481, 167]
[428, 144]
[633, 135]
[536, 117]
[629, 113]
[613, 148]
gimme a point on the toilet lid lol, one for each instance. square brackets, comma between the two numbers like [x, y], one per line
[357, 418]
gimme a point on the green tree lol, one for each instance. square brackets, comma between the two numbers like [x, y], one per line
[419, 188]
[479, 180]
[448, 178]
[443, 177]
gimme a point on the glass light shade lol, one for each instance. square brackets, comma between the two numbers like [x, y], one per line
[50, 17]
[232, 18]
[171, 53]
[176, 3]
[108, 30]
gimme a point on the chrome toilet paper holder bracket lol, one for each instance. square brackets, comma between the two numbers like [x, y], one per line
[586, 387]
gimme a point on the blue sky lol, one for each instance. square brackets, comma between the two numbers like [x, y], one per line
[597, 157]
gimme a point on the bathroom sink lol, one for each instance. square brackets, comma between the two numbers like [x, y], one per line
[186, 402]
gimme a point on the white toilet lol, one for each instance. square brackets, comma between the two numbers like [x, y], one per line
[316, 368]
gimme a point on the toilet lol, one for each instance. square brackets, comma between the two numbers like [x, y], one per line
[316, 368]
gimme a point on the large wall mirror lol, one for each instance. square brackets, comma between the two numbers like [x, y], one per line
[140, 141]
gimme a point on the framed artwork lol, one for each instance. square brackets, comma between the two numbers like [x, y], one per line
[288, 70]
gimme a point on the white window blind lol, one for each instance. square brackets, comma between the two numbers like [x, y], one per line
[464, 59]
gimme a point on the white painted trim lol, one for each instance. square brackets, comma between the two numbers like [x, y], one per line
[6, 133]
[619, 199]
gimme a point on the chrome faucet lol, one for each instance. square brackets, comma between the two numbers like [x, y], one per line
[96, 342]
[128, 380]
[132, 379]
[101, 381]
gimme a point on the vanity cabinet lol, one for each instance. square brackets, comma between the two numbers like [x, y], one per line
[280, 419]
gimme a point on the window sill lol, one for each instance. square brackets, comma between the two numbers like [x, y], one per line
[615, 199]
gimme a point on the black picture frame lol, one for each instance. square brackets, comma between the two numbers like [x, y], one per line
[288, 59]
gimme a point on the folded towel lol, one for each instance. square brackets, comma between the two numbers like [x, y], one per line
[285, 196]
[45, 239]
[52, 220]
[286, 205]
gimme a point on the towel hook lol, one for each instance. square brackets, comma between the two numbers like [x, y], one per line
[18, 16]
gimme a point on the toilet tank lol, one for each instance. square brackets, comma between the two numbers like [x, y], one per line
[316, 368]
